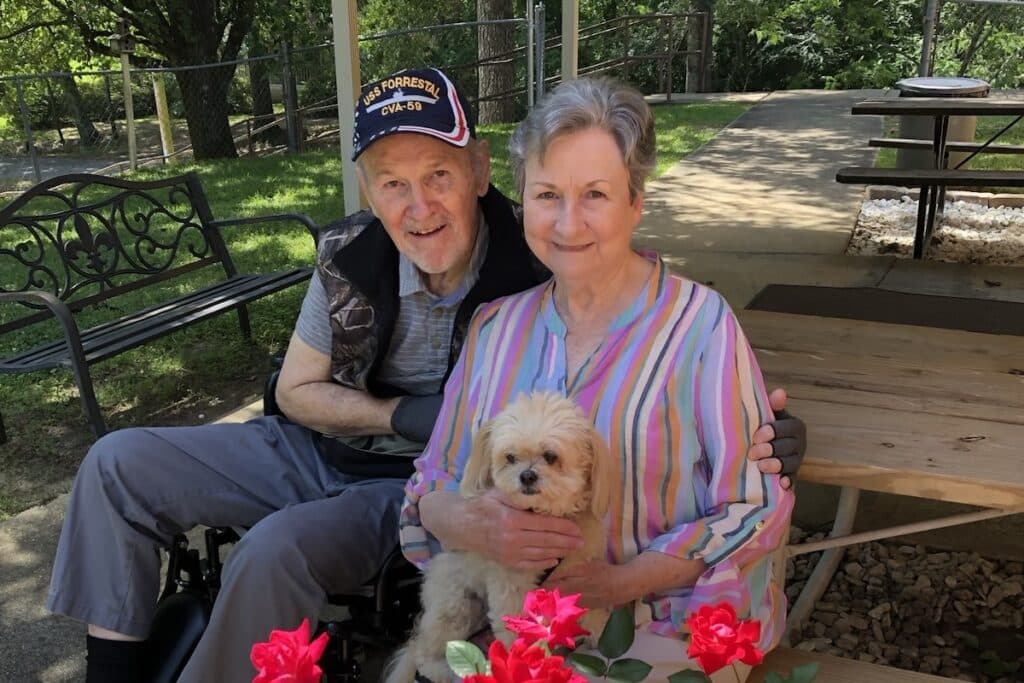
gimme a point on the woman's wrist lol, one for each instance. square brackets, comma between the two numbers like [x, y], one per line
[652, 572]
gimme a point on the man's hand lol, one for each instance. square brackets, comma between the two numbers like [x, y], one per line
[523, 540]
[779, 447]
[414, 416]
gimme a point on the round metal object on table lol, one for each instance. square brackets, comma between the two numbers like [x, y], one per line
[942, 86]
[961, 128]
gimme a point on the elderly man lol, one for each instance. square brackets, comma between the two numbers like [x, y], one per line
[320, 490]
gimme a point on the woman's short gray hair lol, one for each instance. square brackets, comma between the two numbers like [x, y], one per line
[582, 103]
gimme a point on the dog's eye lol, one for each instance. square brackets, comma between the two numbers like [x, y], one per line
[550, 458]
[510, 457]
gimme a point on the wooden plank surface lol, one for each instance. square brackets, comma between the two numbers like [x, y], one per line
[836, 669]
[917, 411]
[930, 176]
[932, 106]
[931, 347]
[960, 460]
[951, 145]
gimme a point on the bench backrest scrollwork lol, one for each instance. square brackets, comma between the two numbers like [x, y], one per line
[86, 238]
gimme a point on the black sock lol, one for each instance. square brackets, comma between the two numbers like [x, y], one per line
[113, 661]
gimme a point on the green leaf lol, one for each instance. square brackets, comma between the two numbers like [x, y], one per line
[588, 664]
[465, 658]
[804, 673]
[628, 671]
[689, 676]
[618, 633]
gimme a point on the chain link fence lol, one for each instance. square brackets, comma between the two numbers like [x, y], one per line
[57, 123]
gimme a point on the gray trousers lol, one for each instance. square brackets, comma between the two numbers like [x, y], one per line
[314, 531]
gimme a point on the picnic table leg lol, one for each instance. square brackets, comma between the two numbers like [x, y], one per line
[826, 567]
[922, 219]
[937, 194]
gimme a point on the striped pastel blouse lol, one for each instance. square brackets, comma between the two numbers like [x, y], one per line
[677, 393]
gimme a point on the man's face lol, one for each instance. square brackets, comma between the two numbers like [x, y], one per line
[425, 192]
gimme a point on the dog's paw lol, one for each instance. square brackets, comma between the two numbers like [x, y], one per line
[438, 671]
[594, 621]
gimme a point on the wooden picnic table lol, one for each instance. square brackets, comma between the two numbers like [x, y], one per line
[933, 182]
[916, 411]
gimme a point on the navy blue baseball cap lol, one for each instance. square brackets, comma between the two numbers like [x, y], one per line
[413, 101]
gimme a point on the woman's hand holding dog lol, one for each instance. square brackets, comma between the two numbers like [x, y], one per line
[488, 526]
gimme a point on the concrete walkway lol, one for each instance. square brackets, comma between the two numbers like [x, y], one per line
[756, 205]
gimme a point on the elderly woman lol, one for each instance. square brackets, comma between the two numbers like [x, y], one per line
[657, 361]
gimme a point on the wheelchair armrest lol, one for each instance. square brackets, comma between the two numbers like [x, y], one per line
[270, 407]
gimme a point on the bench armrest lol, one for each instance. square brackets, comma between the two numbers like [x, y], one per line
[306, 221]
[58, 308]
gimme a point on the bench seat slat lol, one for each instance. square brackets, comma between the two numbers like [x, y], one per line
[930, 176]
[936, 347]
[899, 384]
[109, 339]
[837, 669]
[958, 460]
[132, 320]
[951, 145]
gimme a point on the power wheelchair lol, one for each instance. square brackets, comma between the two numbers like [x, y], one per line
[378, 619]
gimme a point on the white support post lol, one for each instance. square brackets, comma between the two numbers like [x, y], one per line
[163, 116]
[570, 38]
[346, 70]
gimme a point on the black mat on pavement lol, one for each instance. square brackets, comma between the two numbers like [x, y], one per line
[882, 305]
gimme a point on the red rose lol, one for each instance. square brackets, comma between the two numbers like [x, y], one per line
[526, 663]
[289, 657]
[549, 617]
[718, 639]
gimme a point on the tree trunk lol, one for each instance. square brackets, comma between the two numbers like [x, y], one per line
[495, 41]
[262, 102]
[204, 92]
[87, 132]
[706, 84]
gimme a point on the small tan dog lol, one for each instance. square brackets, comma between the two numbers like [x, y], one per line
[543, 455]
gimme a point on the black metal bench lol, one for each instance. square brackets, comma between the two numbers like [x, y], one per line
[79, 240]
[932, 183]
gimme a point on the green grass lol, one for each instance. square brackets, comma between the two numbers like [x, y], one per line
[208, 369]
[986, 128]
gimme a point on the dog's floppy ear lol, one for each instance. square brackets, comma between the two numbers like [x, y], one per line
[604, 473]
[476, 477]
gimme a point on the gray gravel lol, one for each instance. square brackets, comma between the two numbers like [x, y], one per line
[954, 614]
[967, 232]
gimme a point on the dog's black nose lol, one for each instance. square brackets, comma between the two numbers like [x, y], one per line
[528, 477]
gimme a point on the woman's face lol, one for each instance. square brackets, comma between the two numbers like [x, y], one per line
[578, 214]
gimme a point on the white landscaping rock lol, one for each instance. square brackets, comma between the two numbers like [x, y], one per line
[967, 232]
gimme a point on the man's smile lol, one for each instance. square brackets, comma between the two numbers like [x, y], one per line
[427, 232]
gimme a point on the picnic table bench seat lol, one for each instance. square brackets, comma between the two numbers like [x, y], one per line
[920, 177]
[836, 669]
[81, 240]
[951, 146]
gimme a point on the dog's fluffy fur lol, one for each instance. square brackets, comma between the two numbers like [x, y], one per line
[543, 455]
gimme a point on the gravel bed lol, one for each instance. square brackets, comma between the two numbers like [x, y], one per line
[953, 614]
[967, 232]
